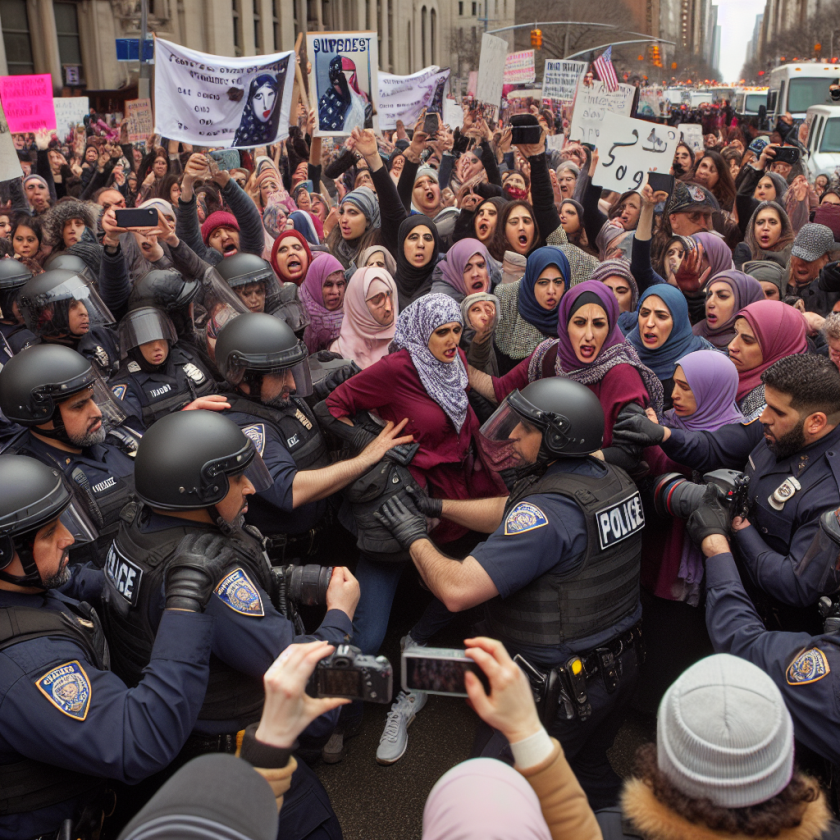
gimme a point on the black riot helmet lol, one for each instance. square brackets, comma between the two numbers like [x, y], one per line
[569, 415]
[13, 277]
[256, 345]
[165, 288]
[243, 270]
[32, 495]
[70, 262]
[186, 459]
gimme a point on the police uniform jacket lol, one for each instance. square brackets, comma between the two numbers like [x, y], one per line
[62, 708]
[802, 487]
[17, 336]
[99, 345]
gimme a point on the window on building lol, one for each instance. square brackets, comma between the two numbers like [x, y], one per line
[433, 36]
[275, 19]
[461, 8]
[237, 28]
[474, 9]
[258, 43]
[69, 42]
[16, 38]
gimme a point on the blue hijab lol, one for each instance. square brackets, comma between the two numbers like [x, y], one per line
[304, 226]
[682, 341]
[545, 320]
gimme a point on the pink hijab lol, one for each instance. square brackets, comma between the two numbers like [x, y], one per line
[362, 338]
[324, 325]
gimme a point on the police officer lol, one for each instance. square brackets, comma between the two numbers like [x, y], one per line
[559, 575]
[196, 472]
[792, 458]
[253, 279]
[15, 335]
[54, 392]
[262, 359]
[159, 374]
[67, 722]
[61, 308]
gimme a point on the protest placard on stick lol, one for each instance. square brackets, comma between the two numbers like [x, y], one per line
[28, 102]
[491, 70]
[405, 97]
[592, 102]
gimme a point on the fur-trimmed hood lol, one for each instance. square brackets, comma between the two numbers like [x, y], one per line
[54, 220]
[655, 821]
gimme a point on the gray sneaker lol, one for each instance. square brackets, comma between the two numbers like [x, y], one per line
[394, 740]
[407, 642]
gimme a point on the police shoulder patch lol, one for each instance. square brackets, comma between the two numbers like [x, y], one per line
[237, 592]
[808, 667]
[67, 687]
[133, 367]
[256, 432]
[524, 517]
[119, 391]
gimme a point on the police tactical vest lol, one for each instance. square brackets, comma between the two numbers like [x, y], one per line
[135, 574]
[556, 607]
[29, 785]
[99, 345]
[297, 427]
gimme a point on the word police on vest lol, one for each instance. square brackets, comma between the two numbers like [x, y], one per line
[125, 577]
[620, 521]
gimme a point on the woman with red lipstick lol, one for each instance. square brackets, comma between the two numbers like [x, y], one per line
[322, 294]
[727, 293]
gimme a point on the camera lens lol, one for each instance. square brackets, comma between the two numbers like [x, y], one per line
[308, 584]
[676, 496]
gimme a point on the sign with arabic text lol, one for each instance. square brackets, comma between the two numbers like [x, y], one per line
[592, 102]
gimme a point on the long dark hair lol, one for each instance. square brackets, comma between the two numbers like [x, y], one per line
[499, 243]
[724, 189]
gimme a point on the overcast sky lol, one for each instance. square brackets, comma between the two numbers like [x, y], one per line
[736, 19]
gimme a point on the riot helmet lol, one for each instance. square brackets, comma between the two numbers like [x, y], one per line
[141, 326]
[13, 277]
[59, 304]
[186, 459]
[252, 347]
[290, 309]
[165, 288]
[823, 551]
[253, 279]
[71, 262]
[567, 413]
[36, 380]
[32, 495]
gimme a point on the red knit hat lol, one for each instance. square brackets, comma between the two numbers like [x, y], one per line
[284, 235]
[221, 218]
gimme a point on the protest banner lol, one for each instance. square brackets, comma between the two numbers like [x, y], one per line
[211, 100]
[343, 81]
[69, 112]
[28, 102]
[519, 68]
[629, 149]
[560, 79]
[592, 102]
[491, 70]
[405, 97]
[692, 135]
[453, 114]
[140, 122]
[651, 101]
[9, 161]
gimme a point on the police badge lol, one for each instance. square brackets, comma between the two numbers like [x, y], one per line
[808, 667]
[236, 591]
[101, 356]
[133, 367]
[68, 689]
[783, 493]
[524, 517]
[194, 373]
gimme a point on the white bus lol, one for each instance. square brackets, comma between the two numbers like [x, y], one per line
[796, 87]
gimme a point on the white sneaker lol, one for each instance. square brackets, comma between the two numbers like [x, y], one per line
[407, 642]
[394, 740]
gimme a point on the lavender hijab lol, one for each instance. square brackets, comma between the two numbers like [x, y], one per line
[452, 267]
[745, 290]
[445, 382]
[324, 324]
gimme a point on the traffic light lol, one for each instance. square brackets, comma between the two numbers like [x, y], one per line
[655, 55]
[673, 65]
[536, 38]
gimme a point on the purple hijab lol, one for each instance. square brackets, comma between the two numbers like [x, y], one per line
[713, 380]
[716, 250]
[324, 324]
[452, 268]
[745, 290]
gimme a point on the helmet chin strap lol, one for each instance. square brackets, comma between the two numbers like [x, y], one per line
[57, 433]
[222, 524]
[24, 545]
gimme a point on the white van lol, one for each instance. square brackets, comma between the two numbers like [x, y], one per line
[796, 87]
[823, 141]
[748, 100]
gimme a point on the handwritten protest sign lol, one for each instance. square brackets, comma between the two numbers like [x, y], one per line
[629, 148]
[28, 102]
[560, 79]
[592, 102]
[405, 97]
[491, 70]
[519, 68]
[9, 162]
[692, 135]
[211, 100]
[651, 101]
[453, 114]
[140, 123]
[69, 112]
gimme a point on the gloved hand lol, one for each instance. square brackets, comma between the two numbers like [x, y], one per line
[433, 508]
[637, 430]
[712, 517]
[335, 378]
[403, 520]
[195, 570]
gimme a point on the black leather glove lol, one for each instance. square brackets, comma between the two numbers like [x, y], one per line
[637, 430]
[193, 573]
[403, 520]
[433, 508]
[712, 517]
[333, 379]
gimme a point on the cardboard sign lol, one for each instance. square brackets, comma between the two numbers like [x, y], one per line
[491, 70]
[453, 114]
[692, 136]
[405, 97]
[519, 68]
[629, 149]
[69, 112]
[592, 103]
[9, 162]
[140, 122]
[28, 102]
[560, 79]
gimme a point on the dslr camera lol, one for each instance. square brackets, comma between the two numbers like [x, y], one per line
[674, 495]
[346, 672]
[305, 585]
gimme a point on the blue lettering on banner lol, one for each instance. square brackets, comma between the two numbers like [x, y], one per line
[620, 521]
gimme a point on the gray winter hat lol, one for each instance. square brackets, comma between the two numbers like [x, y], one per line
[724, 733]
[812, 242]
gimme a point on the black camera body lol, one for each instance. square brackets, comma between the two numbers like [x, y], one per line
[346, 672]
[306, 585]
[829, 609]
[675, 496]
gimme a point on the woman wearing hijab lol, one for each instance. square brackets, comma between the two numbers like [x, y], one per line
[358, 223]
[770, 275]
[617, 275]
[418, 247]
[766, 331]
[465, 270]
[322, 295]
[291, 257]
[756, 185]
[378, 256]
[369, 317]
[769, 236]
[261, 115]
[305, 226]
[727, 294]
[663, 333]
[344, 106]
[528, 307]
[481, 315]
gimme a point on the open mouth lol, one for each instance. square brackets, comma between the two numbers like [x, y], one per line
[551, 302]
[477, 286]
[483, 229]
[587, 351]
[450, 354]
[650, 338]
[229, 250]
[419, 257]
[430, 196]
[523, 240]
[294, 265]
[711, 318]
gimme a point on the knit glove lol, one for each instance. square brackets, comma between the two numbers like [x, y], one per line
[405, 522]
[193, 573]
[710, 518]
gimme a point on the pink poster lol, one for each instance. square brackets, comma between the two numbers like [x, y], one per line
[472, 83]
[28, 102]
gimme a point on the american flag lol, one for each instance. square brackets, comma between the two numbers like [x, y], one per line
[605, 70]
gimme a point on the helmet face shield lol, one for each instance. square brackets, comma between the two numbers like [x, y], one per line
[144, 325]
[823, 555]
[77, 521]
[112, 414]
[247, 462]
[293, 313]
[277, 382]
[71, 307]
[257, 473]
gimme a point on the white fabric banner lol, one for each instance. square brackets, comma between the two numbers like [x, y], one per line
[69, 112]
[222, 102]
[405, 97]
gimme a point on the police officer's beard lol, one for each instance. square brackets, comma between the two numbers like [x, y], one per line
[89, 439]
[789, 443]
[61, 577]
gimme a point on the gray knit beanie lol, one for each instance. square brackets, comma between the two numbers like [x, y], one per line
[724, 733]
